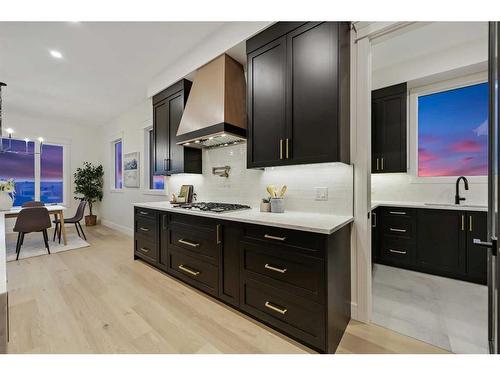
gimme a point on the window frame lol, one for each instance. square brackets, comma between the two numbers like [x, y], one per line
[65, 144]
[112, 185]
[433, 88]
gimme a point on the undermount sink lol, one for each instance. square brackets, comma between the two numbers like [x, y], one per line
[454, 205]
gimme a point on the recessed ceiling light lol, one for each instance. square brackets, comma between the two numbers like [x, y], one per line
[56, 54]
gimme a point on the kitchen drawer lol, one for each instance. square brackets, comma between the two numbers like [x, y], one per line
[311, 243]
[397, 251]
[146, 249]
[293, 272]
[145, 212]
[201, 242]
[300, 318]
[145, 227]
[194, 271]
[400, 212]
[404, 227]
[195, 222]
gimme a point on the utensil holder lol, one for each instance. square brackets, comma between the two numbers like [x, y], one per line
[265, 207]
[277, 205]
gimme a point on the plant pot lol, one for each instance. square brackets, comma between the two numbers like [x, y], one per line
[265, 207]
[5, 201]
[90, 220]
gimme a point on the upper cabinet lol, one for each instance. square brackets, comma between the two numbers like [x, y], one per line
[169, 157]
[298, 94]
[389, 129]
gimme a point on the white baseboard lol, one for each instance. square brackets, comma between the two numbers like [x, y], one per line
[126, 230]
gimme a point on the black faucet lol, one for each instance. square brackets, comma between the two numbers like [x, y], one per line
[458, 198]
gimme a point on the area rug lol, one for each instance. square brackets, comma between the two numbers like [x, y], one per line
[34, 246]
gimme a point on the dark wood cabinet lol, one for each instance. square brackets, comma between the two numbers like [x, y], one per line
[477, 256]
[389, 129]
[298, 94]
[169, 157]
[441, 241]
[433, 241]
[295, 282]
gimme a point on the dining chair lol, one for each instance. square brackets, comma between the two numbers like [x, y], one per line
[30, 220]
[32, 204]
[80, 212]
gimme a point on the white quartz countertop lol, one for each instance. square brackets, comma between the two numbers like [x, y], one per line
[304, 221]
[439, 206]
[3, 256]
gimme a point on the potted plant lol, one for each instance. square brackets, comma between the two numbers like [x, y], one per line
[7, 193]
[88, 185]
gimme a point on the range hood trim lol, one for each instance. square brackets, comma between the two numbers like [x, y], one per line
[213, 130]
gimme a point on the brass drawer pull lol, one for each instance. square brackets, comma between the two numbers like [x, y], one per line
[182, 267]
[281, 149]
[287, 148]
[270, 306]
[269, 237]
[470, 223]
[397, 212]
[145, 250]
[397, 251]
[144, 229]
[397, 230]
[185, 242]
[463, 222]
[276, 269]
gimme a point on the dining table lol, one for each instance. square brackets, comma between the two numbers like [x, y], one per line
[55, 209]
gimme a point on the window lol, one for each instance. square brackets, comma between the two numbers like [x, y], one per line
[37, 176]
[20, 166]
[52, 174]
[155, 182]
[118, 155]
[453, 132]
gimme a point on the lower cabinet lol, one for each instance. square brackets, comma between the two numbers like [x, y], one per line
[433, 241]
[296, 282]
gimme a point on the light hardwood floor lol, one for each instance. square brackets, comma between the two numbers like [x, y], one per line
[99, 300]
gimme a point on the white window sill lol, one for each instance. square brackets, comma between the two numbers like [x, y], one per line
[155, 192]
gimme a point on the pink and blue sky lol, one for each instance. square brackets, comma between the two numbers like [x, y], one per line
[453, 132]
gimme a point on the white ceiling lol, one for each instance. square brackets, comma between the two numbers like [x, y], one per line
[105, 69]
[424, 39]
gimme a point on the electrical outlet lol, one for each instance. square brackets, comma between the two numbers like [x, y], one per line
[321, 193]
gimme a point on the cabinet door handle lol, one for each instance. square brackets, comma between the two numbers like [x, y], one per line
[397, 230]
[182, 267]
[378, 164]
[145, 250]
[185, 242]
[397, 212]
[281, 149]
[144, 212]
[164, 164]
[144, 229]
[275, 269]
[218, 234]
[397, 251]
[270, 306]
[463, 222]
[374, 219]
[470, 223]
[164, 221]
[269, 237]
[382, 163]
[287, 148]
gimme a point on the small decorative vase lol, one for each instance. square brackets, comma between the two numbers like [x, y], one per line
[5, 201]
[265, 207]
[277, 205]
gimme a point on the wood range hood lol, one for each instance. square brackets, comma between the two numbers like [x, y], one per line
[215, 112]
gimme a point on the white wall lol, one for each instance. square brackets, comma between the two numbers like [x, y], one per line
[466, 57]
[245, 186]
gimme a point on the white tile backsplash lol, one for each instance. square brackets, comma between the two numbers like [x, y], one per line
[248, 186]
